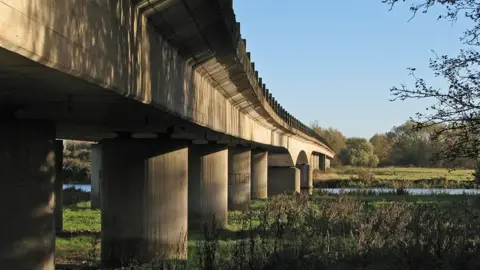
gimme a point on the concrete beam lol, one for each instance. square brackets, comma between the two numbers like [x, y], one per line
[27, 201]
[144, 200]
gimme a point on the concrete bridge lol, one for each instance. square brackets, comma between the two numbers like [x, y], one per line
[186, 129]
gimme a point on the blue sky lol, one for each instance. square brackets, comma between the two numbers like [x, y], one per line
[335, 61]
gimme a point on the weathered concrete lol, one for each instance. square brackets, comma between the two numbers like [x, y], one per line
[59, 179]
[283, 179]
[116, 45]
[27, 201]
[207, 186]
[259, 174]
[239, 178]
[306, 178]
[322, 163]
[96, 177]
[144, 200]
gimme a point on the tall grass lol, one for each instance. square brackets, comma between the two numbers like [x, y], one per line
[300, 232]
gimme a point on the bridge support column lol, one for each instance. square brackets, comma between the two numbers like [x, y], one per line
[283, 179]
[144, 200]
[27, 199]
[259, 174]
[306, 178]
[239, 170]
[207, 186]
[322, 163]
[58, 214]
[96, 177]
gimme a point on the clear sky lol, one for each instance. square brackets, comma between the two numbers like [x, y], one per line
[335, 61]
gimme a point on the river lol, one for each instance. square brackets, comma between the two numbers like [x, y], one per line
[411, 191]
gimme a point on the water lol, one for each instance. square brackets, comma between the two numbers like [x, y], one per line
[411, 191]
[86, 188]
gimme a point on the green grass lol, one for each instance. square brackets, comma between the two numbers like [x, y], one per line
[82, 225]
[395, 173]
[393, 177]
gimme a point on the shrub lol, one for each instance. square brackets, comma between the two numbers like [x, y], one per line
[365, 175]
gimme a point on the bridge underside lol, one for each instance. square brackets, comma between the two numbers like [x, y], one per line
[81, 110]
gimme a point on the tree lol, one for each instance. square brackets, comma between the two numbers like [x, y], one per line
[458, 107]
[358, 152]
[382, 146]
[412, 146]
[333, 136]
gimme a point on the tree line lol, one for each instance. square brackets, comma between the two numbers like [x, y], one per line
[405, 145]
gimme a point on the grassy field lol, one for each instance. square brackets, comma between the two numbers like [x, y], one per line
[326, 231]
[396, 177]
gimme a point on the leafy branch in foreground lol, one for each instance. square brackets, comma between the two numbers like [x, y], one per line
[456, 110]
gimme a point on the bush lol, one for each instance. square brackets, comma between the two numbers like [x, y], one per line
[365, 175]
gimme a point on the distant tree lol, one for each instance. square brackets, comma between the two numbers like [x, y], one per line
[358, 152]
[333, 136]
[458, 107]
[382, 147]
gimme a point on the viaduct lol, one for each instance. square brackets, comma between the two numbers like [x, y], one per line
[186, 129]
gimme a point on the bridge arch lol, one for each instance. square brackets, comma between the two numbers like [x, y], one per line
[302, 158]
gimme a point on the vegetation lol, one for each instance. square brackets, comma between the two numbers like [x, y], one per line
[319, 232]
[77, 162]
[455, 113]
[395, 177]
[358, 152]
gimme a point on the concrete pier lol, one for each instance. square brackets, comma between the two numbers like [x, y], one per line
[144, 200]
[306, 178]
[59, 179]
[239, 173]
[207, 186]
[96, 176]
[259, 174]
[283, 179]
[322, 163]
[27, 176]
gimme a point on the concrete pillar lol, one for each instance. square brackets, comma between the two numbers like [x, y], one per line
[322, 166]
[27, 200]
[58, 214]
[207, 186]
[239, 171]
[327, 163]
[283, 179]
[144, 200]
[96, 177]
[259, 174]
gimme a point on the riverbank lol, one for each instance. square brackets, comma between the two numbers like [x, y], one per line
[392, 177]
[324, 230]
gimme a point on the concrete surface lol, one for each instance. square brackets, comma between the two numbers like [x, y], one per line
[27, 201]
[207, 186]
[59, 179]
[144, 200]
[259, 174]
[96, 176]
[239, 178]
[283, 180]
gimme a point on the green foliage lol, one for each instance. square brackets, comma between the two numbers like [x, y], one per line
[334, 138]
[77, 162]
[358, 152]
[397, 231]
[382, 146]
